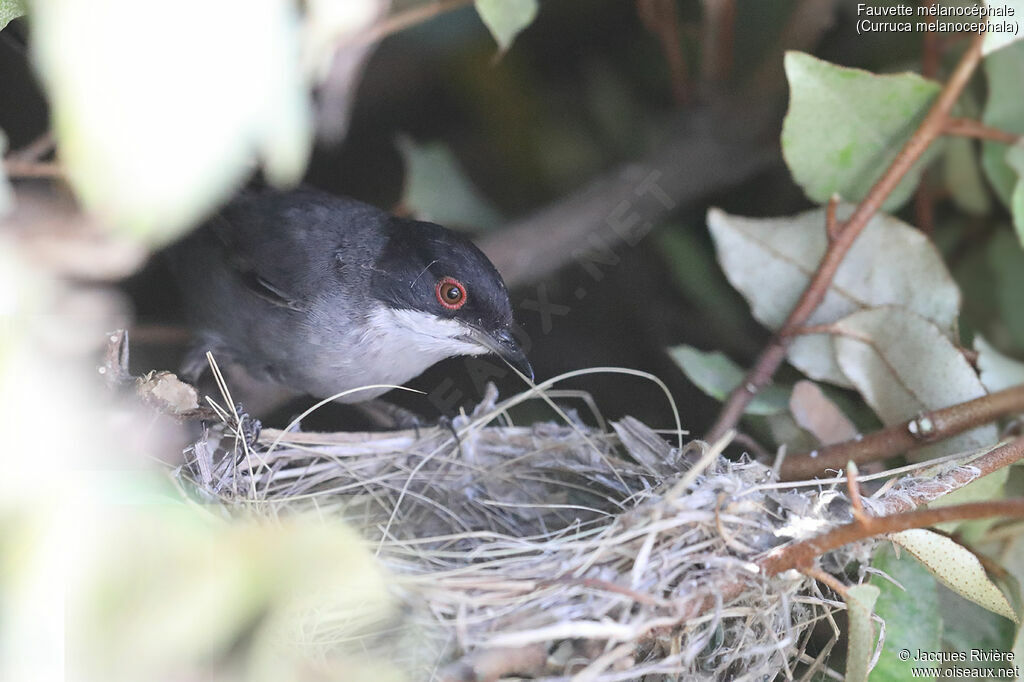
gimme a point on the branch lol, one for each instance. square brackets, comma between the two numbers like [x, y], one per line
[802, 554]
[704, 155]
[966, 127]
[931, 127]
[661, 18]
[928, 427]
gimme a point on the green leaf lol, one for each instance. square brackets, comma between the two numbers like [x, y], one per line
[1001, 29]
[902, 365]
[717, 376]
[845, 126]
[771, 260]
[912, 616]
[154, 135]
[11, 10]
[1004, 109]
[956, 567]
[437, 189]
[860, 604]
[997, 371]
[1006, 259]
[1015, 160]
[963, 177]
[506, 18]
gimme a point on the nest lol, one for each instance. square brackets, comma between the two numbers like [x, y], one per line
[552, 550]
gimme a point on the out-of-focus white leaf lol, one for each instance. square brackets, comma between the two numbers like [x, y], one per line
[717, 376]
[336, 50]
[863, 641]
[902, 365]
[770, 261]
[10, 10]
[437, 189]
[159, 113]
[506, 18]
[1004, 29]
[956, 567]
[997, 370]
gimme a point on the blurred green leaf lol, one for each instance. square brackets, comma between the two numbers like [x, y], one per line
[770, 261]
[998, 39]
[956, 567]
[860, 604]
[997, 370]
[717, 376]
[1015, 160]
[506, 18]
[1006, 258]
[845, 126]
[160, 115]
[902, 365]
[963, 177]
[1004, 109]
[10, 10]
[437, 189]
[912, 617]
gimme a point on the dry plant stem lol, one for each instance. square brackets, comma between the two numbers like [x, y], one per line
[661, 18]
[407, 19]
[494, 664]
[16, 168]
[923, 429]
[933, 125]
[802, 554]
[966, 127]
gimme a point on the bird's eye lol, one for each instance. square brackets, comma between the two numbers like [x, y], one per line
[451, 294]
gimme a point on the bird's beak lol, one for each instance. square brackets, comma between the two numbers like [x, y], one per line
[502, 344]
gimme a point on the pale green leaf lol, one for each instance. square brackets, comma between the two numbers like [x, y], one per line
[863, 639]
[902, 365]
[845, 126]
[998, 371]
[1004, 109]
[1015, 160]
[1003, 24]
[717, 376]
[771, 260]
[437, 189]
[1006, 262]
[506, 18]
[963, 177]
[160, 115]
[913, 620]
[956, 567]
[10, 10]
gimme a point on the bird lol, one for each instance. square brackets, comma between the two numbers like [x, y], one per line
[323, 295]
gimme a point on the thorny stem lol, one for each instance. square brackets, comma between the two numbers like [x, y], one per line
[928, 427]
[933, 125]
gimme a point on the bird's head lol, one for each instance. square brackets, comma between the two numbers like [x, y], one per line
[445, 294]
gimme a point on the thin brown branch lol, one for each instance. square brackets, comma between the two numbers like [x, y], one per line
[719, 29]
[930, 49]
[407, 19]
[925, 428]
[931, 127]
[832, 225]
[16, 168]
[661, 18]
[966, 127]
[801, 555]
[853, 488]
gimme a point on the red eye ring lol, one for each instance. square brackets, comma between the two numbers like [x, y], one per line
[451, 293]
